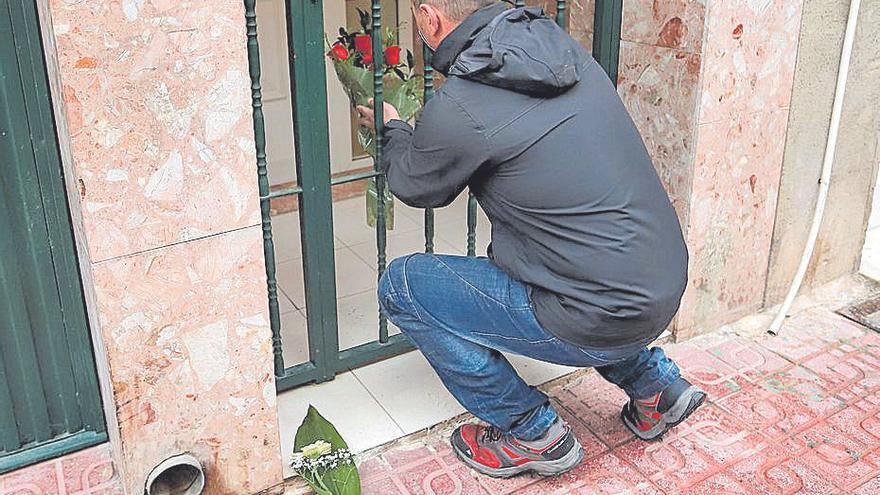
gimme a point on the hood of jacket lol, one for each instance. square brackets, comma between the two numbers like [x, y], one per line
[517, 49]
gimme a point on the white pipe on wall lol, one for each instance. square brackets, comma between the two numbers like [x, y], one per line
[827, 166]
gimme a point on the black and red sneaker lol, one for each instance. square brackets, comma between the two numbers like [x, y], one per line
[495, 454]
[650, 418]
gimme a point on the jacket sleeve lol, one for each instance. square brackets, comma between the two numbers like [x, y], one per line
[427, 167]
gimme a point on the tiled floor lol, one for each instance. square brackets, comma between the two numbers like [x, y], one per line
[393, 398]
[798, 413]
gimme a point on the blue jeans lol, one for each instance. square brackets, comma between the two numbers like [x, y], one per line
[463, 312]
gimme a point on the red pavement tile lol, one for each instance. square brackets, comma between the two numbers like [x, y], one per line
[872, 487]
[603, 475]
[783, 403]
[768, 471]
[810, 333]
[696, 450]
[590, 442]
[597, 403]
[707, 371]
[838, 457]
[748, 359]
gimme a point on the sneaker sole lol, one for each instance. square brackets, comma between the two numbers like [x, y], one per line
[690, 401]
[562, 465]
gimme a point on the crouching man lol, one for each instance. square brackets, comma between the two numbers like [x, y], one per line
[587, 264]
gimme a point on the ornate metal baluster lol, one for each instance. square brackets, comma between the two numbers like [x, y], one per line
[472, 225]
[263, 183]
[560, 14]
[429, 92]
[378, 102]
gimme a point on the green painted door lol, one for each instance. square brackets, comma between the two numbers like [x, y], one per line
[49, 399]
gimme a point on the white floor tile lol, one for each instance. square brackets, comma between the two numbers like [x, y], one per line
[294, 338]
[353, 276]
[401, 244]
[409, 389]
[455, 233]
[538, 372]
[350, 222]
[286, 237]
[285, 305]
[364, 426]
[358, 318]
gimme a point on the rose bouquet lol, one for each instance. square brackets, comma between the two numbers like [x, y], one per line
[352, 57]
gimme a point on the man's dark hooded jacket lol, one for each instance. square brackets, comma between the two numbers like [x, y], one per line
[531, 123]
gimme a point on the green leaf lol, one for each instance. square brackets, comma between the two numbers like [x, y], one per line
[343, 480]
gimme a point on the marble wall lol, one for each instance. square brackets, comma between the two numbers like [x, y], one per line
[156, 95]
[659, 81]
[749, 53]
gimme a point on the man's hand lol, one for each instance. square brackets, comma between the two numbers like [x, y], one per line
[367, 117]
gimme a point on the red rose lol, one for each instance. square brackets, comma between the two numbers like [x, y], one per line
[362, 43]
[338, 52]
[367, 58]
[392, 55]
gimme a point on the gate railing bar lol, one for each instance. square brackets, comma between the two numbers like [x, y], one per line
[561, 16]
[606, 37]
[290, 191]
[428, 85]
[305, 36]
[378, 105]
[472, 225]
[345, 179]
[371, 352]
[263, 183]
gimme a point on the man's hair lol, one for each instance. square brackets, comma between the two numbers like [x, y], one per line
[458, 10]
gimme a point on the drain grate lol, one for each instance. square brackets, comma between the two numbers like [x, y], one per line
[865, 312]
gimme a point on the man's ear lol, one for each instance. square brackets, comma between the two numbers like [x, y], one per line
[433, 20]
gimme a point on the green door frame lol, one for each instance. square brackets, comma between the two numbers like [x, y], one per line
[305, 35]
[50, 402]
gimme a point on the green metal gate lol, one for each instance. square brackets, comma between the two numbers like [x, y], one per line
[49, 399]
[306, 49]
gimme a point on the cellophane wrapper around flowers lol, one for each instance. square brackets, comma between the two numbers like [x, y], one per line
[351, 56]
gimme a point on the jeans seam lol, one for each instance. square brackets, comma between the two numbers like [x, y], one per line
[477, 289]
[495, 335]
[412, 302]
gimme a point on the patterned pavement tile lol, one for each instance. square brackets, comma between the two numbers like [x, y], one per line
[603, 475]
[589, 441]
[706, 370]
[748, 359]
[783, 403]
[768, 471]
[597, 404]
[838, 457]
[696, 450]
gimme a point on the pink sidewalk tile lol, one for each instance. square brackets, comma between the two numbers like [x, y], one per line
[597, 404]
[703, 446]
[86, 472]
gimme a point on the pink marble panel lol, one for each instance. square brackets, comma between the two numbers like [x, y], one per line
[659, 87]
[750, 54]
[667, 23]
[187, 334]
[86, 472]
[733, 204]
[157, 95]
